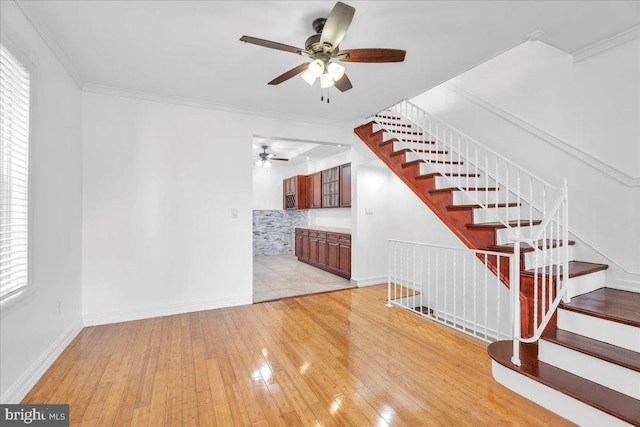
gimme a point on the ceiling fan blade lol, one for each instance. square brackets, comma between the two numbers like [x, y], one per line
[279, 158]
[291, 73]
[271, 45]
[337, 25]
[343, 84]
[372, 55]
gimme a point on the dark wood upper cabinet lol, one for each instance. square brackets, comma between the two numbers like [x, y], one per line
[330, 188]
[345, 185]
[314, 190]
[294, 194]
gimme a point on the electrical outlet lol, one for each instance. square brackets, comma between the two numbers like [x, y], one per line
[59, 307]
[234, 212]
[368, 211]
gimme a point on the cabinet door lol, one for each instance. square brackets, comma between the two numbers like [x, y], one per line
[313, 250]
[322, 252]
[345, 185]
[345, 259]
[330, 187]
[333, 255]
[298, 245]
[314, 190]
[305, 247]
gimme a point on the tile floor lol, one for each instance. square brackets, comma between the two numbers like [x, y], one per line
[281, 276]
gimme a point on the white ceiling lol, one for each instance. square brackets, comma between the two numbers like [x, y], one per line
[191, 50]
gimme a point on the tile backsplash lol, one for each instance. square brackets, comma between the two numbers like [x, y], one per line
[273, 230]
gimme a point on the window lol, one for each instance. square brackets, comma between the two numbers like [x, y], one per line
[14, 174]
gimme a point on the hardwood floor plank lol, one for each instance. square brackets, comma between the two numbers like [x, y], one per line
[335, 359]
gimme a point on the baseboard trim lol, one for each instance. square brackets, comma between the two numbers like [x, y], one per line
[32, 375]
[139, 313]
[370, 281]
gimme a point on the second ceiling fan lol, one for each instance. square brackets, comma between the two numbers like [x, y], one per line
[324, 53]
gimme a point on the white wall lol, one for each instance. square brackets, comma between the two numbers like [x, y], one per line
[385, 208]
[160, 183]
[589, 112]
[32, 332]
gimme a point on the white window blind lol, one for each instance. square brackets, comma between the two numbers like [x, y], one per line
[14, 174]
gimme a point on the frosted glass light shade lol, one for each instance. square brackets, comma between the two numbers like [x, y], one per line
[326, 81]
[335, 70]
[308, 77]
[316, 68]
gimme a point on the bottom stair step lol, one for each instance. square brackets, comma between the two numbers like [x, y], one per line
[613, 403]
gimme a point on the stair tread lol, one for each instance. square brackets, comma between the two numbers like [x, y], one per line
[418, 150]
[610, 304]
[472, 189]
[382, 122]
[526, 247]
[476, 206]
[388, 117]
[601, 350]
[576, 268]
[603, 398]
[432, 174]
[496, 225]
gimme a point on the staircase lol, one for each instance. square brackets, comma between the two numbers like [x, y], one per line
[581, 360]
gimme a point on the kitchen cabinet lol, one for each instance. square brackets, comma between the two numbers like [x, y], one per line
[294, 192]
[314, 190]
[345, 185]
[331, 188]
[328, 250]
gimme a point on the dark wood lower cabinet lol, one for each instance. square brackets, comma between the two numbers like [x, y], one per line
[329, 251]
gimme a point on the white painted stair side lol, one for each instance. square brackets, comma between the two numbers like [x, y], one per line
[614, 333]
[616, 377]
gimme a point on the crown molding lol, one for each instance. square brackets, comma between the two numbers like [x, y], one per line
[43, 31]
[606, 44]
[208, 105]
[586, 158]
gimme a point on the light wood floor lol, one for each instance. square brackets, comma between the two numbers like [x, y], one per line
[336, 359]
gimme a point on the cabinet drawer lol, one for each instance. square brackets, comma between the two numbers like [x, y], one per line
[344, 238]
[332, 236]
[322, 235]
[313, 234]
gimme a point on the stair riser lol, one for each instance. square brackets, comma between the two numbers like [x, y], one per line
[447, 168]
[395, 127]
[460, 198]
[610, 375]
[410, 156]
[463, 181]
[507, 214]
[614, 333]
[547, 397]
[530, 261]
[586, 283]
[408, 138]
[505, 235]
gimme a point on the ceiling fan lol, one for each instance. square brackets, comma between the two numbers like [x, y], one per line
[265, 159]
[323, 50]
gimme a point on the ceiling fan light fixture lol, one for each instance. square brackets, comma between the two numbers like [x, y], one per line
[335, 70]
[263, 163]
[316, 68]
[308, 77]
[326, 81]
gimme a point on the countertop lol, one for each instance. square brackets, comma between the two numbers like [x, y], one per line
[329, 229]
